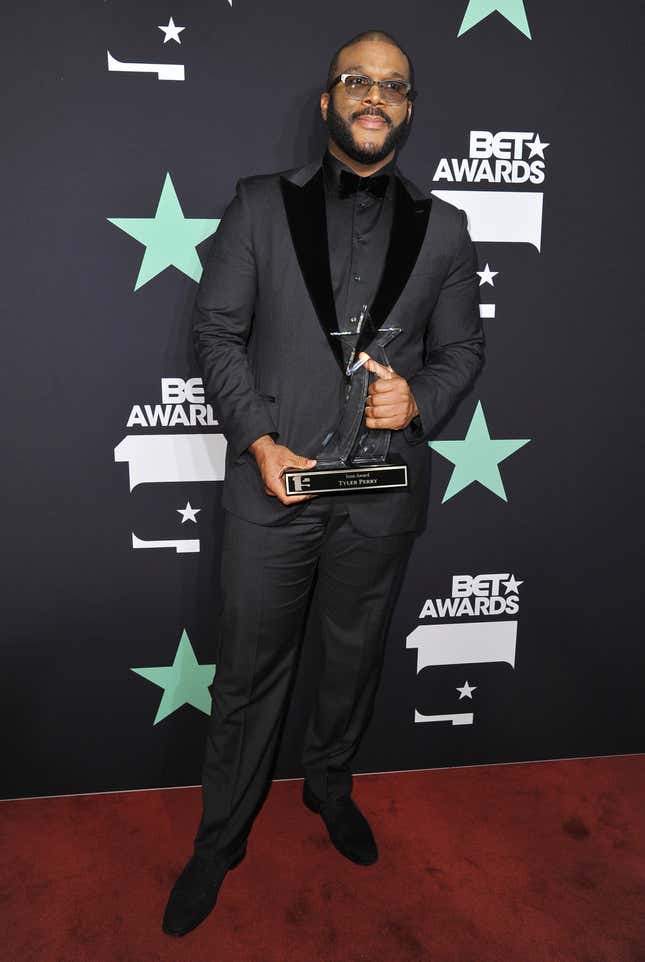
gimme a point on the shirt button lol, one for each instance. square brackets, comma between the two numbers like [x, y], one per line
[357, 277]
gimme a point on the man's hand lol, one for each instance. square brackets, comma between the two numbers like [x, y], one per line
[272, 460]
[389, 403]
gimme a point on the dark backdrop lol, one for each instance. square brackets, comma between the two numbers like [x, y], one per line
[555, 664]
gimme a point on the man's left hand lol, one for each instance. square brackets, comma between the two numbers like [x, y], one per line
[390, 403]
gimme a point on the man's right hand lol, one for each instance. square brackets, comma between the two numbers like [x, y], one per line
[272, 460]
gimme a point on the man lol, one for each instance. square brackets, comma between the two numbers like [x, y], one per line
[297, 254]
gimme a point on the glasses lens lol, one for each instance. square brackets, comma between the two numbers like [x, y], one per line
[356, 87]
[392, 91]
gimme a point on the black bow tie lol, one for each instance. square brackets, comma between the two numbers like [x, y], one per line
[350, 183]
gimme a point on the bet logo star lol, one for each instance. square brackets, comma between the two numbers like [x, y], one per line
[169, 238]
[185, 682]
[478, 10]
[476, 458]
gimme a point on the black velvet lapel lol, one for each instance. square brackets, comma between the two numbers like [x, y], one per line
[307, 218]
[409, 225]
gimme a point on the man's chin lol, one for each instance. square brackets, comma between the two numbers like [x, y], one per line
[365, 139]
[368, 146]
[366, 151]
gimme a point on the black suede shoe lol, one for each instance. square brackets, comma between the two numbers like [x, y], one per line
[194, 894]
[348, 828]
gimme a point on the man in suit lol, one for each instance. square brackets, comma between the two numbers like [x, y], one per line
[295, 256]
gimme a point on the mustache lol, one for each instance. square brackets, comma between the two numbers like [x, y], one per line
[372, 112]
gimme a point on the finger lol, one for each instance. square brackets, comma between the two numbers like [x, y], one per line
[388, 411]
[385, 372]
[383, 423]
[386, 397]
[294, 498]
[382, 386]
[292, 466]
[297, 463]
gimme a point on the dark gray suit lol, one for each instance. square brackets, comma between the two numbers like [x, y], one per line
[264, 310]
[264, 313]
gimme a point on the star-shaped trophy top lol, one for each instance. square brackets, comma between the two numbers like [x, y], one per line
[362, 335]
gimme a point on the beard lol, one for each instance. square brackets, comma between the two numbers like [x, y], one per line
[340, 132]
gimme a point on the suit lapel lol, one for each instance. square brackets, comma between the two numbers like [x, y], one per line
[307, 218]
[409, 225]
[304, 201]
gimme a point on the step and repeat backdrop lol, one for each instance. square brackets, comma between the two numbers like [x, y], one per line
[517, 634]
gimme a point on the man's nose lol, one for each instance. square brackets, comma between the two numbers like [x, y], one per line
[373, 95]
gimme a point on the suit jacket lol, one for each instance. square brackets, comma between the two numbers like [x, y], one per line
[261, 326]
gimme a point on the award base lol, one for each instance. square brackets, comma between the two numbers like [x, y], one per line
[392, 473]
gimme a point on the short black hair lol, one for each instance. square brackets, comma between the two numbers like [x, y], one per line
[371, 35]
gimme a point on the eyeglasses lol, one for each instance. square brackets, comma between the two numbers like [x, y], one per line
[357, 86]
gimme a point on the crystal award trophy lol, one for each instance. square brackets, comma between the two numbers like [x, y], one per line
[354, 457]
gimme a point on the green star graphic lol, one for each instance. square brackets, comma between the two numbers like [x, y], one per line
[185, 682]
[478, 10]
[476, 457]
[170, 238]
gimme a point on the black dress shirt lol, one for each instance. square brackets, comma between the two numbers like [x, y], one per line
[358, 233]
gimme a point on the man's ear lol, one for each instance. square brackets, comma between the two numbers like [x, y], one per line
[324, 104]
[410, 108]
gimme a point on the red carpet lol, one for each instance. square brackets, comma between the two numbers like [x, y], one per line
[514, 863]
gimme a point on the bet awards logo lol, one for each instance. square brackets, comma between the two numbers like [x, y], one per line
[489, 596]
[510, 158]
[476, 596]
[502, 158]
[175, 393]
[171, 456]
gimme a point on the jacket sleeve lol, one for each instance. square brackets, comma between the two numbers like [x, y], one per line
[454, 346]
[221, 327]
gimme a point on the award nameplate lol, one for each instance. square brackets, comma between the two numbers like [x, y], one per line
[354, 457]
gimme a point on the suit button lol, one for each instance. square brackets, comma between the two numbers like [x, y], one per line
[357, 277]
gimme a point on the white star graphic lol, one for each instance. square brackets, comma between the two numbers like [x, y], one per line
[537, 146]
[171, 32]
[486, 276]
[188, 513]
[467, 691]
[512, 585]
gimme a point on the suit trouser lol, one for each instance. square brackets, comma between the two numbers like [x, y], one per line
[271, 576]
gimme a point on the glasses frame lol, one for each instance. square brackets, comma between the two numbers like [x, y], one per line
[409, 92]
